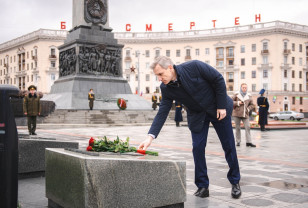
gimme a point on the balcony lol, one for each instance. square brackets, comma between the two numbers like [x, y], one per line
[264, 52]
[219, 56]
[52, 56]
[187, 58]
[127, 59]
[230, 55]
[265, 66]
[230, 80]
[285, 66]
[6, 65]
[34, 57]
[286, 51]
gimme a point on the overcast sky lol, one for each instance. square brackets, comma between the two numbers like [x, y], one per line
[19, 17]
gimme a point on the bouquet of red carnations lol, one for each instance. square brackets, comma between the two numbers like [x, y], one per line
[106, 145]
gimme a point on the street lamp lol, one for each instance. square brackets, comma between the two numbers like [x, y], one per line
[138, 70]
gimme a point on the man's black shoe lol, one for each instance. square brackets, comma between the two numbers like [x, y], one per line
[202, 192]
[33, 133]
[250, 145]
[236, 191]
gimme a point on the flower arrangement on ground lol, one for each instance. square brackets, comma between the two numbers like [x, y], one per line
[106, 145]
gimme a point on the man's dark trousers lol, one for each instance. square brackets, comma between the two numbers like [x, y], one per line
[225, 133]
[31, 124]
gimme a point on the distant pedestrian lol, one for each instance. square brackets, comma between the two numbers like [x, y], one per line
[91, 98]
[242, 106]
[263, 109]
[178, 113]
[32, 108]
[154, 101]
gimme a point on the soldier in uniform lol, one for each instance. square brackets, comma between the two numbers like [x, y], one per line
[263, 109]
[32, 108]
[91, 98]
[178, 113]
[154, 100]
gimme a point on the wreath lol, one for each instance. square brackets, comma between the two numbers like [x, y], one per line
[121, 104]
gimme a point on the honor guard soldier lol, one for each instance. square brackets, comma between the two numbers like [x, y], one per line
[91, 98]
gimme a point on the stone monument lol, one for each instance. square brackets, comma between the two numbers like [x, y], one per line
[91, 58]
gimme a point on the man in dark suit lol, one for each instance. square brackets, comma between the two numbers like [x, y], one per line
[202, 89]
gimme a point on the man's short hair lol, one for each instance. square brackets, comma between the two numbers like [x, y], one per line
[163, 61]
[243, 84]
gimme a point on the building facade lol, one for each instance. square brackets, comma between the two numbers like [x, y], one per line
[31, 59]
[272, 55]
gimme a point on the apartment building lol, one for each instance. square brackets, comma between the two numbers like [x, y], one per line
[272, 55]
[31, 59]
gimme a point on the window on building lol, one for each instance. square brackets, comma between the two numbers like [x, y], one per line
[242, 48]
[147, 53]
[127, 65]
[31, 79]
[242, 75]
[253, 87]
[300, 87]
[27, 66]
[285, 59]
[32, 65]
[253, 47]
[293, 46]
[265, 73]
[253, 61]
[300, 74]
[230, 76]
[285, 73]
[197, 52]
[27, 55]
[11, 59]
[207, 51]
[243, 62]
[293, 100]
[293, 87]
[52, 64]
[265, 45]
[178, 53]
[285, 45]
[168, 53]
[253, 74]
[265, 59]
[300, 62]
[53, 51]
[220, 63]
[300, 48]
[293, 60]
[53, 77]
[265, 86]
[231, 52]
[127, 53]
[293, 74]
[285, 87]
[147, 65]
[187, 52]
[157, 53]
[128, 77]
[230, 62]
[220, 52]
[147, 77]
[301, 100]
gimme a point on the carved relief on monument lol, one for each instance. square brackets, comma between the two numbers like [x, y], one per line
[96, 11]
[99, 60]
[67, 61]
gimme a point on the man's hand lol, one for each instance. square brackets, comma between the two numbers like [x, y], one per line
[221, 114]
[146, 143]
[26, 113]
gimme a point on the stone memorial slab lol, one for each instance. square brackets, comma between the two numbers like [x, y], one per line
[74, 179]
[32, 153]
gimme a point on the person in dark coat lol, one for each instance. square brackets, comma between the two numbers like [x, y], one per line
[178, 113]
[32, 108]
[154, 101]
[263, 109]
[202, 90]
[91, 98]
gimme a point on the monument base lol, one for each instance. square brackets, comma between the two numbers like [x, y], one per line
[71, 92]
[113, 180]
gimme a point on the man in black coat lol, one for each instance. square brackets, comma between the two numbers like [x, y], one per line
[202, 89]
[263, 109]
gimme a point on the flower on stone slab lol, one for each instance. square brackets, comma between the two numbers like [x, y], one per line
[91, 141]
[89, 148]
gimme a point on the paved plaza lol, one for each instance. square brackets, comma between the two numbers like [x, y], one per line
[274, 174]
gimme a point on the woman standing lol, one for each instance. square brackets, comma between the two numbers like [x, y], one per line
[263, 109]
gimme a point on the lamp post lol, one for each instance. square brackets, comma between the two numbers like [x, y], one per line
[138, 70]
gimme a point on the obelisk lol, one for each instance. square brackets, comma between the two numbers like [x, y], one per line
[91, 58]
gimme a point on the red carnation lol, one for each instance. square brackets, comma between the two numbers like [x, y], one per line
[89, 148]
[91, 141]
[141, 151]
